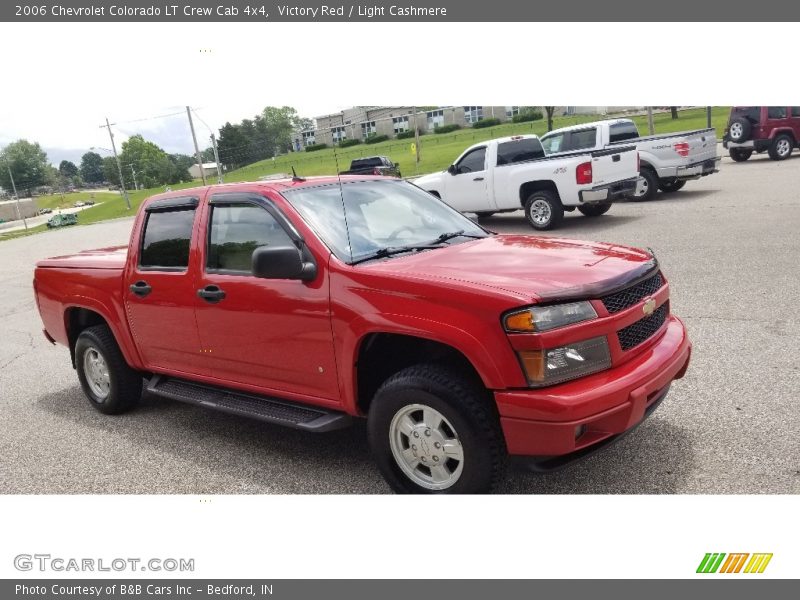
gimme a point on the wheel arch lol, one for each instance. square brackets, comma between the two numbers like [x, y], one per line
[78, 318]
[529, 187]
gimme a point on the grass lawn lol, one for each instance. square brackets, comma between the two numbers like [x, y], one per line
[436, 153]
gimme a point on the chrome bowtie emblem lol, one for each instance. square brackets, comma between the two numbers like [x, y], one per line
[649, 306]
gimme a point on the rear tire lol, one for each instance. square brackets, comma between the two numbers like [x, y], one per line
[740, 154]
[433, 430]
[650, 186]
[543, 210]
[671, 186]
[110, 385]
[595, 210]
[781, 147]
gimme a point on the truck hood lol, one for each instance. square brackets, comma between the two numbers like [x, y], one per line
[532, 268]
[102, 258]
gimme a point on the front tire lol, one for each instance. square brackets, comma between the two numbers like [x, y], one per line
[740, 154]
[110, 385]
[433, 430]
[543, 210]
[649, 187]
[781, 147]
[671, 186]
[595, 210]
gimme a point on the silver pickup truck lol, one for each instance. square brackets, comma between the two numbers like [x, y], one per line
[667, 161]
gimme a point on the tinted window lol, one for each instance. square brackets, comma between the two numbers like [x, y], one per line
[363, 163]
[474, 161]
[580, 140]
[166, 239]
[796, 111]
[237, 230]
[619, 132]
[553, 143]
[776, 112]
[751, 113]
[519, 150]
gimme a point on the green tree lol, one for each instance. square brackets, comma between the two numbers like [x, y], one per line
[67, 169]
[207, 155]
[153, 166]
[110, 171]
[280, 124]
[27, 161]
[232, 145]
[92, 168]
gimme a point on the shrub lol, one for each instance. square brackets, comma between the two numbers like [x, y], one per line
[375, 139]
[315, 147]
[486, 123]
[528, 115]
[447, 128]
[404, 135]
[348, 143]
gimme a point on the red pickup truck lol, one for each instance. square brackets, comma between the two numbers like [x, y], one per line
[309, 303]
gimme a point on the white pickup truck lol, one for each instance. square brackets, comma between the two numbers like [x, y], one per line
[668, 161]
[514, 173]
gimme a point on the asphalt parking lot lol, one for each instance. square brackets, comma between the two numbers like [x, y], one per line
[729, 244]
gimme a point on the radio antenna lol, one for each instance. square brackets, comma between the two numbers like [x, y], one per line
[344, 207]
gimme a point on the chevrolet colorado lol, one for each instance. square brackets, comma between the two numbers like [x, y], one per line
[309, 303]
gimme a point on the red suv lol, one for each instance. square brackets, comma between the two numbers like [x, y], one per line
[775, 129]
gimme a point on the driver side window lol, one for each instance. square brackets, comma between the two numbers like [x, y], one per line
[473, 162]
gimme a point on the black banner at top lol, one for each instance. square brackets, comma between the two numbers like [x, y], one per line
[391, 11]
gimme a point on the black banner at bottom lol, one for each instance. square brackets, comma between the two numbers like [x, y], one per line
[383, 589]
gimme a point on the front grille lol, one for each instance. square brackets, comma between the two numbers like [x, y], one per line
[629, 296]
[633, 335]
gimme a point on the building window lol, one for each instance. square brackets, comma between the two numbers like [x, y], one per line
[473, 114]
[368, 129]
[309, 138]
[435, 119]
[338, 134]
[400, 124]
[511, 111]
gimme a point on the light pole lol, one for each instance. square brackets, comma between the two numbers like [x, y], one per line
[119, 166]
[122, 191]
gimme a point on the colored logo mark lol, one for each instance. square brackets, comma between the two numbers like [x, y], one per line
[734, 563]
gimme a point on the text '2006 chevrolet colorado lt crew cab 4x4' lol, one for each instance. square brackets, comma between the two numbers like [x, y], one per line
[310, 303]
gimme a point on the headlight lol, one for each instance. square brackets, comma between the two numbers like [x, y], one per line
[557, 365]
[544, 318]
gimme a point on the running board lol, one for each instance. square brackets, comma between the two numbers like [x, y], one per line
[261, 408]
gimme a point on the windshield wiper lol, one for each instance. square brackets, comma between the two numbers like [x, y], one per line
[454, 234]
[391, 251]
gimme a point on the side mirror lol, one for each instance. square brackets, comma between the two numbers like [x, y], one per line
[452, 169]
[282, 262]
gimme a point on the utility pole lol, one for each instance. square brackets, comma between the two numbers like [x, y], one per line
[216, 158]
[14, 187]
[119, 166]
[416, 135]
[196, 147]
[650, 124]
[135, 184]
[708, 116]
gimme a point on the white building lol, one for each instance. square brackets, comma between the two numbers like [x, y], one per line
[209, 170]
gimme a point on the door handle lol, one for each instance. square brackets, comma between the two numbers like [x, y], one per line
[141, 288]
[478, 179]
[615, 158]
[211, 294]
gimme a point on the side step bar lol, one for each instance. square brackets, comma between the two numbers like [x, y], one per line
[262, 408]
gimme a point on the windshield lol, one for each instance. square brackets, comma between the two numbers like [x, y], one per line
[380, 215]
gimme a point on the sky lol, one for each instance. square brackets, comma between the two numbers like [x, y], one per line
[64, 88]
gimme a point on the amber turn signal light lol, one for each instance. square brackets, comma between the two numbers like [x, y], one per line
[533, 364]
[521, 321]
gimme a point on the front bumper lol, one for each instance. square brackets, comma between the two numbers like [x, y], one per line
[609, 192]
[543, 423]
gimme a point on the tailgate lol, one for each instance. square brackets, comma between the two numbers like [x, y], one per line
[615, 164]
[702, 146]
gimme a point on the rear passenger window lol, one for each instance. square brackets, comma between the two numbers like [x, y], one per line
[518, 151]
[796, 111]
[165, 244]
[583, 139]
[776, 112]
[236, 231]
